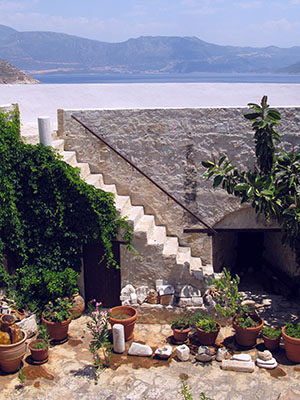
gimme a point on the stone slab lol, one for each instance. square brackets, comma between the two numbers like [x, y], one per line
[239, 366]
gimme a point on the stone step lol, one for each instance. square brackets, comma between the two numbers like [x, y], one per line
[69, 157]
[95, 180]
[123, 204]
[145, 226]
[157, 236]
[170, 246]
[58, 145]
[134, 215]
[183, 255]
[84, 169]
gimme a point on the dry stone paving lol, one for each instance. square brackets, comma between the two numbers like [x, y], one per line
[69, 373]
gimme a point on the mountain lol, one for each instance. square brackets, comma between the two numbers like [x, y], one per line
[38, 52]
[10, 74]
[291, 69]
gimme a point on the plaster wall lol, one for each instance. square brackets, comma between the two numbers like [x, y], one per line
[169, 145]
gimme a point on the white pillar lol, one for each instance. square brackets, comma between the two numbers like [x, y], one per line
[118, 338]
[45, 131]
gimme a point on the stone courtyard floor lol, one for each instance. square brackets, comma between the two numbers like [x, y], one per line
[69, 373]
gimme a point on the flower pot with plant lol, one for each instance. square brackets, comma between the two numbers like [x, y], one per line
[40, 346]
[126, 316]
[56, 316]
[247, 327]
[291, 338]
[181, 327]
[271, 337]
[207, 329]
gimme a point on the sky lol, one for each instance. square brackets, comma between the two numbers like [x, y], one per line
[225, 22]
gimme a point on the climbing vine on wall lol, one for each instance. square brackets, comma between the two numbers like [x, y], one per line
[47, 212]
[273, 187]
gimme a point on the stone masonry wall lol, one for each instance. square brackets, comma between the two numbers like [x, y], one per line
[169, 145]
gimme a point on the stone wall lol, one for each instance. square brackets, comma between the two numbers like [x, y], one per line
[169, 145]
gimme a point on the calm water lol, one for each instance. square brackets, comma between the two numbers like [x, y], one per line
[163, 78]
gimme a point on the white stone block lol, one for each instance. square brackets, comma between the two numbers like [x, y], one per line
[118, 338]
[29, 325]
[242, 357]
[239, 366]
[183, 352]
[197, 301]
[165, 290]
[127, 290]
[164, 352]
[133, 299]
[142, 293]
[141, 350]
[187, 291]
[185, 302]
[221, 354]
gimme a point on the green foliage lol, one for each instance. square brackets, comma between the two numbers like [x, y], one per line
[293, 329]
[47, 214]
[273, 188]
[205, 323]
[58, 310]
[183, 321]
[40, 344]
[227, 294]
[187, 394]
[246, 321]
[43, 333]
[21, 376]
[270, 332]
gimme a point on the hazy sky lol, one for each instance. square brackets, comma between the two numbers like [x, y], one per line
[233, 22]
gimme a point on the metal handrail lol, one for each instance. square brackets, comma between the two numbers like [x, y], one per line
[143, 173]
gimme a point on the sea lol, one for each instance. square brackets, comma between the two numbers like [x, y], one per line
[56, 78]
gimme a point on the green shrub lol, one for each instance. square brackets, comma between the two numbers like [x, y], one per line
[270, 332]
[47, 214]
[205, 323]
[293, 329]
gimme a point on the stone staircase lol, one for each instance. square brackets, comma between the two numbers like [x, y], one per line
[160, 255]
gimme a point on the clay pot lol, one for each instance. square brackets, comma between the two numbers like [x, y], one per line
[292, 347]
[78, 305]
[271, 343]
[9, 329]
[38, 355]
[11, 355]
[18, 313]
[57, 331]
[180, 336]
[208, 338]
[128, 323]
[247, 337]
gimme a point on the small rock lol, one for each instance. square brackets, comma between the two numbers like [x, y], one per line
[208, 300]
[126, 302]
[29, 325]
[187, 291]
[197, 301]
[164, 352]
[142, 350]
[133, 299]
[265, 355]
[221, 354]
[152, 297]
[204, 354]
[183, 352]
[165, 290]
[234, 365]
[268, 362]
[142, 293]
[242, 357]
[127, 290]
[267, 365]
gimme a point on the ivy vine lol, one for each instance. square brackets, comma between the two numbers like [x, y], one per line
[273, 187]
[47, 214]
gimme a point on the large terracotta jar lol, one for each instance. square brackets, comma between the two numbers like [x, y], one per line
[11, 355]
[208, 338]
[126, 316]
[57, 331]
[292, 346]
[78, 305]
[247, 337]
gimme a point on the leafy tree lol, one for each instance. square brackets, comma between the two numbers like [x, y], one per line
[273, 187]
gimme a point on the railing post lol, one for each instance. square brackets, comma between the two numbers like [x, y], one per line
[45, 131]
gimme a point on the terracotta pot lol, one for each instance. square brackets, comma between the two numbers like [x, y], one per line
[38, 354]
[208, 338]
[180, 336]
[292, 346]
[247, 337]
[11, 355]
[18, 313]
[128, 323]
[57, 330]
[78, 305]
[271, 343]
[9, 329]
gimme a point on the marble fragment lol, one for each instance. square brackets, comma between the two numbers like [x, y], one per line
[164, 352]
[265, 355]
[267, 364]
[118, 338]
[142, 293]
[29, 325]
[242, 357]
[138, 349]
[183, 352]
[221, 354]
[239, 366]
[204, 354]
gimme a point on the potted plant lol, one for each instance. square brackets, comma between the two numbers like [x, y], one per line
[271, 337]
[56, 316]
[291, 338]
[181, 327]
[207, 329]
[40, 346]
[13, 344]
[126, 316]
[247, 327]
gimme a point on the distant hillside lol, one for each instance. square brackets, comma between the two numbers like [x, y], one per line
[291, 69]
[10, 74]
[37, 52]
